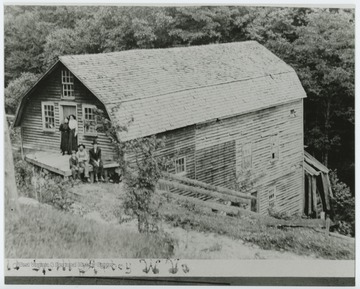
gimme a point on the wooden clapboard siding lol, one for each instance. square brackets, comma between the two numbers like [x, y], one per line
[257, 128]
[50, 89]
[216, 164]
[181, 143]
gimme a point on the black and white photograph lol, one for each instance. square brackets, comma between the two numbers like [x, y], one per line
[197, 142]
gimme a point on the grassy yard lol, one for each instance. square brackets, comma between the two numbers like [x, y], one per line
[93, 229]
[42, 232]
[301, 241]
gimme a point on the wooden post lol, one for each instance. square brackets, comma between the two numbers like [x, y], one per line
[327, 226]
[91, 175]
[106, 175]
[313, 189]
[309, 196]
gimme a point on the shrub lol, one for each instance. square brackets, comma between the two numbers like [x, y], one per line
[23, 175]
[14, 134]
[56, 192]
[141, 178]
[42, 185]
[343, 206]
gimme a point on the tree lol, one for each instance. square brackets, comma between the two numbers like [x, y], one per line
[16, 89]
[319, 45]
[324, 54]
[204, 25]
[25, 36]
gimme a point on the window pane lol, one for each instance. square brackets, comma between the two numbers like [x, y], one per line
[180, 165]
[49, 116]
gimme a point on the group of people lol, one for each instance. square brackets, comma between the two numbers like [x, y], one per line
[80, 161]
[69, 132]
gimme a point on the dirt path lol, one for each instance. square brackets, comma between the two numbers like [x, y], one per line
[102, 203]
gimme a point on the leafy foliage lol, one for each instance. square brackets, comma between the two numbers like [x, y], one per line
[343, 206]
[141, 167]
[16, 89]
[141, 178]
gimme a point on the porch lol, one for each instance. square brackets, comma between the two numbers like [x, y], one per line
[59, 164]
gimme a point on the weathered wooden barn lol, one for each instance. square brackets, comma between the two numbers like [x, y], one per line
[232, 113]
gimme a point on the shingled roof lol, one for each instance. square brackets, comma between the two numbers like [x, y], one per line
[165, 89]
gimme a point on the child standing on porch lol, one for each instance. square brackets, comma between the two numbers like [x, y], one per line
[74, 165]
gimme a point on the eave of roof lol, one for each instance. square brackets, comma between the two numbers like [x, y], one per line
[20, 107]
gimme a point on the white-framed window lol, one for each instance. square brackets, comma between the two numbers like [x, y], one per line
[246, 156]
[180, 165]
[48, 116]
[272, 196]
[274, 147]
[67, 80]
[89, 118]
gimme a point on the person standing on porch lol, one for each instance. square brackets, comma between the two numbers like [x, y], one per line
[64, 142]
[73, 126]
[95, 161]
[83, 160]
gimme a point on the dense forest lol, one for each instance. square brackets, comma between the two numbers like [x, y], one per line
[318, 43]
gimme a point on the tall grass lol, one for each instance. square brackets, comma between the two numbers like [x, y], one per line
[41, 232]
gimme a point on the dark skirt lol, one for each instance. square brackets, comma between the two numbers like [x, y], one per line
[64, 146]
[64, 143]
[73, 141]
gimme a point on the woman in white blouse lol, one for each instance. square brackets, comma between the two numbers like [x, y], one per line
[73, 140]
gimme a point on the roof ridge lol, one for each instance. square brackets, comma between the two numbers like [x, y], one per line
[158, 49]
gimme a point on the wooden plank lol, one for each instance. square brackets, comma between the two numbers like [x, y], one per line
[208, 186]
[314, 162]
[212, 205]
[216, 206]
[202, 191]
[313, 192]
[326, 187]
[310, 170]
[309, 196]
[48, 167]
[330, 190]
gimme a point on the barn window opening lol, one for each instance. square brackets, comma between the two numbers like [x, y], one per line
[180, 165]
[247, 156]
[272, 196]
[89, 119]
[274, 146]
[48, 116]
[67, 80]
